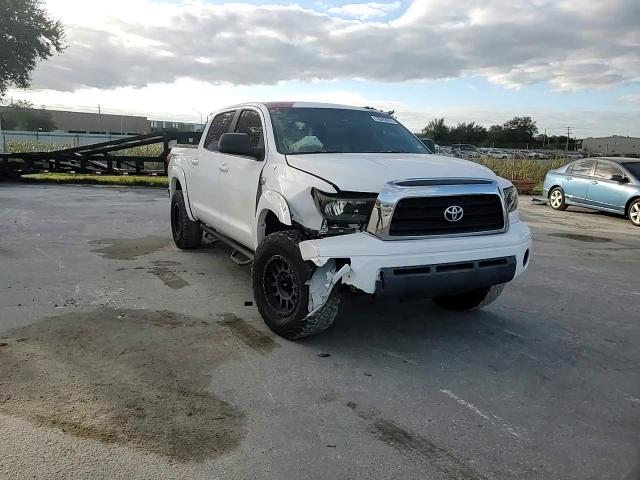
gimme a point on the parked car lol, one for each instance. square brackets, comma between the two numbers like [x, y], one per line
[429, 143]
[610, 184]
[496, 153]
[442, 150]
[465, 150]
[320, 196]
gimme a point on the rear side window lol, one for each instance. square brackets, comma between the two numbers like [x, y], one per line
[219, 125]
[583, 167]
[606, 170]
[250, 123]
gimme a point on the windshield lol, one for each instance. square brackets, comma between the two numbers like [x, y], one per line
[339, 130]
[633, 168]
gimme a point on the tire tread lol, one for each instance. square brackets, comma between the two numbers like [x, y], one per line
[307, 325]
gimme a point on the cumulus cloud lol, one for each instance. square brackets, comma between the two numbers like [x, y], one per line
[572, 44]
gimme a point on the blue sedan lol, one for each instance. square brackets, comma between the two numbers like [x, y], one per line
[610, 184]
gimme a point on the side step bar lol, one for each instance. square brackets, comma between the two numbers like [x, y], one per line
[239, 250]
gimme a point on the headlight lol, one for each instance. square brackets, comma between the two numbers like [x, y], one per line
[345, 207]
[511, 198]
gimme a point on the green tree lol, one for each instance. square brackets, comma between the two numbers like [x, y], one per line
[520, 130]
[436, 130]
[496, 136]
[27, 35]
[471, 132]
[22, 115]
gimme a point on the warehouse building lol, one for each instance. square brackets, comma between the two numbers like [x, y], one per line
[615, 145]
[110, 124]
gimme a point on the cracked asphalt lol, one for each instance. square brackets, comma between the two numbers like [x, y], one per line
[123, 357]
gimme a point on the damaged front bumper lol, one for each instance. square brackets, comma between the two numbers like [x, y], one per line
[430, 266]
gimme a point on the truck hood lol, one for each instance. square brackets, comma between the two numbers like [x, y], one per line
[369, 172]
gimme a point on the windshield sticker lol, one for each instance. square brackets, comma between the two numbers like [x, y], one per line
[383, 119]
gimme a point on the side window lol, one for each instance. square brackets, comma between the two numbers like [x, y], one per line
[219, 125]
[250, 123]
[606, 170]
[583, 167]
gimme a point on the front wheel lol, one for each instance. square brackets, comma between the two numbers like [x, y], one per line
[556, 199]
[279, 276]
[634, 212]
[472, 300]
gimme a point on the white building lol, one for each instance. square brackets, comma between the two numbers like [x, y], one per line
[615, 145]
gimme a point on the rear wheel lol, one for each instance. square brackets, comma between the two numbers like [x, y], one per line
[279, 276]
[472, 300]
[634, 212]
[186, 233]
[556, 199]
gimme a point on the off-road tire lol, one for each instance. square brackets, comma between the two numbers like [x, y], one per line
[186, 233]
[557, 192]
[472, 300]
[298, 323]
[634, 213]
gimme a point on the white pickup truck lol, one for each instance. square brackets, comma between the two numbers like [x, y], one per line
[324, 198]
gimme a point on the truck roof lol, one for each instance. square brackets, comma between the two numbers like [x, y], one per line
[310, 105]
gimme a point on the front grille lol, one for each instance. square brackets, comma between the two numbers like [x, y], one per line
[425, 215]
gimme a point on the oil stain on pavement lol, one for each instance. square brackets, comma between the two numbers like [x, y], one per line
[580, 238]
[412, 444]
[128, 248]
[169, 278]
[132, 377]
[248, 334]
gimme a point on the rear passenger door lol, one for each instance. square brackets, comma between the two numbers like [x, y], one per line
[577, 180]
[205, 171]
[239, 178]
[604, 192]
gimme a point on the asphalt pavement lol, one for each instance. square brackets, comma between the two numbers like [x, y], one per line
[123, 357]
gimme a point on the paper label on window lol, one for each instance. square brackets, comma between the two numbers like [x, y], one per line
[383, 119]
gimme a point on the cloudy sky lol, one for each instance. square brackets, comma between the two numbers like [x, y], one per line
[564, 62]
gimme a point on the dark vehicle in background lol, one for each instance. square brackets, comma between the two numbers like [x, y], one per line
[610, 184]
[465, 150]
[430, 144]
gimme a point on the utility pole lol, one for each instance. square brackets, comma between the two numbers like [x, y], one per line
[100, 118]
[566, 148]
[544, 139]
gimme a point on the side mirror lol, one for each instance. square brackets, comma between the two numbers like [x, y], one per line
[238, 144]
[619, 178]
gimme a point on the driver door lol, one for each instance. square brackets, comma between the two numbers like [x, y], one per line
[607, 193]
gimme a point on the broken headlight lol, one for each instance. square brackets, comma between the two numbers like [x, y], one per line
[510, 198]
[345, 211]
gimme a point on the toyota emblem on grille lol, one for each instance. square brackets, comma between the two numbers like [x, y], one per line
[453, 213]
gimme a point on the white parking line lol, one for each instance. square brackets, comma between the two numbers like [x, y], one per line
[464, 403]
[503, 426]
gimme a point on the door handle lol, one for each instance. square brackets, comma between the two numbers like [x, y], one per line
[223, 167]
[568, 178]
[195, 161]
[594, 182]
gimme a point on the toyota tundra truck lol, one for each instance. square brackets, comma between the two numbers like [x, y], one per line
[324, 199]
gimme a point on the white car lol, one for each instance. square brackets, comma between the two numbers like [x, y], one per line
[322, 198]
